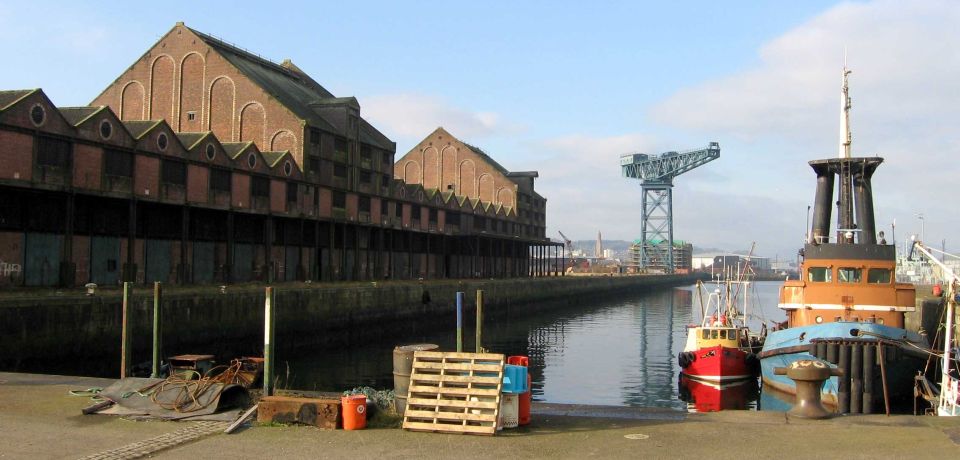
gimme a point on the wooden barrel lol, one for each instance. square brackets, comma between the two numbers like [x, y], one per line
[402, 366]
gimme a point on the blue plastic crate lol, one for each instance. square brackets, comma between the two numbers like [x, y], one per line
[514, 379]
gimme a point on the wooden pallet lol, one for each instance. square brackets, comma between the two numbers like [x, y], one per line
[454, 392]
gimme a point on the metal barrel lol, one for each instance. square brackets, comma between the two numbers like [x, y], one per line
[869, 372]
[856, 380]
[402, 367]
[843, 396]
[833, 350]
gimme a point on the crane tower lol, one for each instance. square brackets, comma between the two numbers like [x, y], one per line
[656, 174]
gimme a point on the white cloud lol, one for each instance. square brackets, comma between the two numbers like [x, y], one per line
[785, 110]
[410, 117]
[581, 180]
[906, 73]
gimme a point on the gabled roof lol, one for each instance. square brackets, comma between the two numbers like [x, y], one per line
[138, 128]
[189, 140]
[292, 88]
[77, 115]
[235, 148]
[372, 136]
[7, 98]
[523, 174]
[487, 158]
[272, 158]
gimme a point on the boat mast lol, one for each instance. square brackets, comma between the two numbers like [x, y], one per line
[845, 200]
[846, 139]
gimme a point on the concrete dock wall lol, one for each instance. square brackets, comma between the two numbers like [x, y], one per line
[81, 334]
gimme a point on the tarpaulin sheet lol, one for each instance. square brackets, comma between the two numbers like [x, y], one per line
[134, 396]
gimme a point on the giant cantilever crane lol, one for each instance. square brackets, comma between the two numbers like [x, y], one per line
[656, 174]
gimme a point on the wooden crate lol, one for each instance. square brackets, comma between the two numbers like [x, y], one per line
[454, 392]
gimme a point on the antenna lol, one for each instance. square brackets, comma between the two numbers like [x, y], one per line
[845, 103]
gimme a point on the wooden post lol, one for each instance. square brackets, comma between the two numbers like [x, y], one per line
[883, 377]
[479, 321]
[157, 330]
[269, 323]
[126, 352]
[459, 322]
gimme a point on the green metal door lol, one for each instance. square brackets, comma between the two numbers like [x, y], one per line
[203, 264]
[158, 261]
[42, 259]
[291, 262]
[242, 262]
[105, 260]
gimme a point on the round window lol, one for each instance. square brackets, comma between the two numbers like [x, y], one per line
[106, 129]
[210, 152]
[162, 142]
[287, 167]
[38, 114]
[251, 160]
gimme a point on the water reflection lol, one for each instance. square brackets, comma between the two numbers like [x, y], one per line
[612, 352]
[711, 397]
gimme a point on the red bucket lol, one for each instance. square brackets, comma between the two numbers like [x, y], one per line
[354, 410]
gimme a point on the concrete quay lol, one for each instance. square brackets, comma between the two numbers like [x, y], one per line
[69, 332]
[40, 419]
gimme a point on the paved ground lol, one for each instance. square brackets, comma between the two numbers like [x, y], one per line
[39, 419]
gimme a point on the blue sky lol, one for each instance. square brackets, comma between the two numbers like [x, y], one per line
[565, 87]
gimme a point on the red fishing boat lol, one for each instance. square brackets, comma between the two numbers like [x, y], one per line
[721, 348]
[703, 396]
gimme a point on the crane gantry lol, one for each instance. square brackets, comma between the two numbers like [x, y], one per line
[656, 174]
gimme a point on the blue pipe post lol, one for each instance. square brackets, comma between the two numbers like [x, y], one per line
[459, 322]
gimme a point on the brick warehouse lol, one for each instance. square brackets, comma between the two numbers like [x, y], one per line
[205, 163]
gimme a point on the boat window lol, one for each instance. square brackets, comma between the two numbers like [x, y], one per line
[713, 334]
[723, 334]
[706, 334]
[849, 275]
[819, 274]
[878, 276]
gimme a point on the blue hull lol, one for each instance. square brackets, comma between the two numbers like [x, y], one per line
[899, 372]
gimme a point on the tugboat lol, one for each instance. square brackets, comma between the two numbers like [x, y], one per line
[721, 349]
[847, 308]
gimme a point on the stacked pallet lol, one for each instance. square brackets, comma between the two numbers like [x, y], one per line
[454, 392]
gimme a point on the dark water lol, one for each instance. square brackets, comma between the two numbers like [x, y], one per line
[613, 352]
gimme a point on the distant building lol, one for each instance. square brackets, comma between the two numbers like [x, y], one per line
[682, 257]
[718, 263]
[598, 249]
[445, 164]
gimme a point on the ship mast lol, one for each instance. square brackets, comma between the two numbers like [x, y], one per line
[845, 213]
[845, 138]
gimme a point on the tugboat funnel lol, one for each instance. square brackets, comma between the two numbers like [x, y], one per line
[863, 194]
[823, 208]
